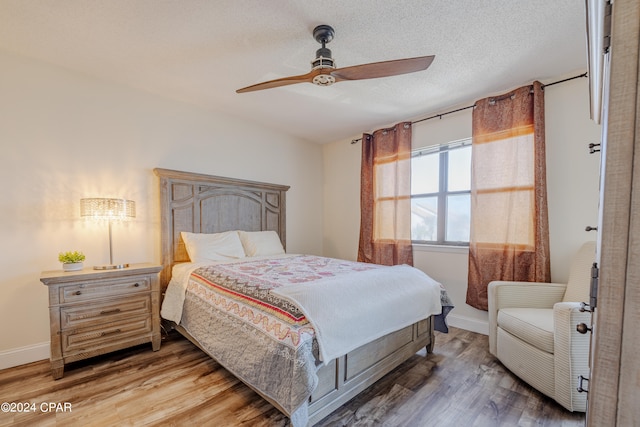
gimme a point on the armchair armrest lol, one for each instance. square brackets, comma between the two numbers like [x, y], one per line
[571, 352]
[503, 294]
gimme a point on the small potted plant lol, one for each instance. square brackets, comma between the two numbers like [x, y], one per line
[71, 261]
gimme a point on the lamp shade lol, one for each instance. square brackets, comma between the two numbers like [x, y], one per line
[107, 209]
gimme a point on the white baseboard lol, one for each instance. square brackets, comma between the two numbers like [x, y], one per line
[23, 355]
[469, 324]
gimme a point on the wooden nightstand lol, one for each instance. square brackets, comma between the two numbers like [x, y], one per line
[93, 312]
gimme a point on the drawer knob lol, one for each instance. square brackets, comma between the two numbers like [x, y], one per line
[136, 285]
[77, 293]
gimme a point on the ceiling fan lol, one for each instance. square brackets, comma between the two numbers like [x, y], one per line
[325, 73]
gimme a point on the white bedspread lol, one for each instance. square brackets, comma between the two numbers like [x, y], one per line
[403, 295]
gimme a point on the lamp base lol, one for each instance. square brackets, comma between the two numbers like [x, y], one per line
[110, 266]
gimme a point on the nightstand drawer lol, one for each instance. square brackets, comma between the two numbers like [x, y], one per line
[105, 312]
[99, 289]
[90, 339]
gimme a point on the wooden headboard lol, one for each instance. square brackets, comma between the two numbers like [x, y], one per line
[211, 204]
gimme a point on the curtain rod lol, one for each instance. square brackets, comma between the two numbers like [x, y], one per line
[354, 141]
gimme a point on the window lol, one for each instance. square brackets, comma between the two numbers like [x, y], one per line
[441, 194]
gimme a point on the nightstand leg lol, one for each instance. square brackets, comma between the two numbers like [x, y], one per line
[57, 369]
[155, 342]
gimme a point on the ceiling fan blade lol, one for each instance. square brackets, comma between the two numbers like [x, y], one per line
[279, 82]
[383, 69]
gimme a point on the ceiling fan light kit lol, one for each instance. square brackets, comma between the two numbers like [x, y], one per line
[324, 72]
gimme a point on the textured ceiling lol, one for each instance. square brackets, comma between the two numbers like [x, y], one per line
[201, 51]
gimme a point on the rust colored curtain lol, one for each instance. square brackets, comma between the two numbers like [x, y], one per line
[509, 223]
[385, 197]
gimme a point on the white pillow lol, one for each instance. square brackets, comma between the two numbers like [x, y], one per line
[213, 247]
[261, 243]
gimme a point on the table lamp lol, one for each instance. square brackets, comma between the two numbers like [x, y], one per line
[109, 210]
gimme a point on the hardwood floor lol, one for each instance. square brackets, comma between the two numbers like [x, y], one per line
[460, 384]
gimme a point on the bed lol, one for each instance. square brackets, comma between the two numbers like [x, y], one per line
[317, 377]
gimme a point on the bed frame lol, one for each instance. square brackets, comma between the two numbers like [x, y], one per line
[210, 204]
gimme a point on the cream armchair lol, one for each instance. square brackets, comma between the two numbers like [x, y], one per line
[532, 331]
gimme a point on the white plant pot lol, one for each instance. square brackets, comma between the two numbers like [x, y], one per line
[72, 266]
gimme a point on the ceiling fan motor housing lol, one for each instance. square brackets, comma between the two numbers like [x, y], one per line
[323, 35]
[323, 59]
[323, 63]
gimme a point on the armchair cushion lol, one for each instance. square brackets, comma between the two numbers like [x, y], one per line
[532, 325]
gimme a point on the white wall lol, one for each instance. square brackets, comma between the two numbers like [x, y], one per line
[572, 175]
[66, 136]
